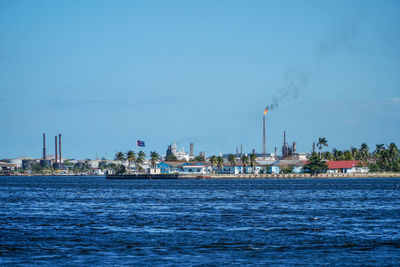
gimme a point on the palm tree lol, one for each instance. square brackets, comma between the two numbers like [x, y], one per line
[232, 161]
[348, 155]
[252, 161]
[140, 159]
[393, 151]
[315, 164]
[364, 152]
[321, 142]
[213, 161]
[154, 158]
[354, 153]
[245, 161]
[130, 157]
[379, 148]
[220, 162]
[119, 156]
[327, 155]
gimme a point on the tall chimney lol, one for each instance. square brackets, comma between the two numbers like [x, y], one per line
[284, 138]
[241, 150]
[276, 156]
[264, 136]
[59, 146]
[191, 150]
[44, 146]
[237, 152]
[56, 160]
[294, 147]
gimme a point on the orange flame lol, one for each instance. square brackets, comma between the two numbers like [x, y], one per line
[265, 111]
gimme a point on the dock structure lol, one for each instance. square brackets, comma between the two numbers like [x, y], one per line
[142, 176]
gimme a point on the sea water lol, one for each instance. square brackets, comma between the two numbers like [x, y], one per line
[90, 221]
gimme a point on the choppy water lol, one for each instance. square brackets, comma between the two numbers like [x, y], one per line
[93, 221]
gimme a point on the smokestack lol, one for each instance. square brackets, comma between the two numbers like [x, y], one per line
[44, 146]
[275, 153]
[59, 146]
[237, 152]
[56, 160]
[284, 138]
[294, 147]
[241, 150]
[264, 148]
[191, 150]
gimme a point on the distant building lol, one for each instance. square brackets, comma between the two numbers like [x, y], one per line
[288, 150]
[58, 165]
[279, 165]
[45, 163]
[171, 150]
[351, 166]
[17, 161]
[202, 154]
[196, 168]
[7, 167]
[191, 150]
[80, 165]
[28, 163]
[180, 155]
[170, 166]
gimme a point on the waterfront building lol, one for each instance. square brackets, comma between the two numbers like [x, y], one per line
[94, 164]
[58, 166]
[275, 169]
[196, 168]
[17, 161]
[7, 167]
[170, 166]
[28, 163]
[228, 168]
[350, 166]
[279, 165]
[45, 163]
[80, 165]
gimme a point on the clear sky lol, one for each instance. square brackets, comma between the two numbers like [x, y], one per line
[106, 73]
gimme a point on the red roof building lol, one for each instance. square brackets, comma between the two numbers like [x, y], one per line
[349, 166]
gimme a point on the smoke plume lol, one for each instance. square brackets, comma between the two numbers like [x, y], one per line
[296, 80]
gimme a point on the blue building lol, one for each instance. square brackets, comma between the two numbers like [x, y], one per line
[170, 166]
[279, 165]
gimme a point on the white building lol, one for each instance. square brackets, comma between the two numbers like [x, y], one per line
[180, 155]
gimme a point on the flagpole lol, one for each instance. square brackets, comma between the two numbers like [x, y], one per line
[136, 155]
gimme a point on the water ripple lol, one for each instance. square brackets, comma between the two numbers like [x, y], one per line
[92, 221]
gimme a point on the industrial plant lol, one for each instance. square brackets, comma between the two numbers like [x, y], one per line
[176, 161]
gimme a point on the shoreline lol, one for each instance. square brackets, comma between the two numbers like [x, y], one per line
[256, 176]
[223, 176]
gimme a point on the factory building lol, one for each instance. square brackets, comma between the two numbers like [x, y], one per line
[290, 151]
[180, 155]
[287, 150]
[28, 163]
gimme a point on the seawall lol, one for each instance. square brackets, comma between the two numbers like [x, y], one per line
[254, 176]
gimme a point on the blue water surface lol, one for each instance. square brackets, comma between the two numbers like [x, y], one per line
[90, 221]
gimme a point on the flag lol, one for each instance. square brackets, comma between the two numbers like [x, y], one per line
[140, 143]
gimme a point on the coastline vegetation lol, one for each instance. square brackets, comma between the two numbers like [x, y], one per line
[384, 158]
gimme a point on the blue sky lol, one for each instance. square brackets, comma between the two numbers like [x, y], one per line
[106, 73]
